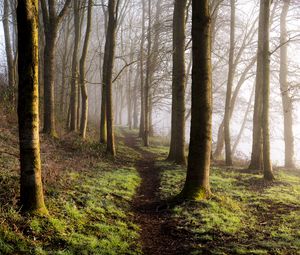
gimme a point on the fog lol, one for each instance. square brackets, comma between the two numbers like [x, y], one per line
[126, 72]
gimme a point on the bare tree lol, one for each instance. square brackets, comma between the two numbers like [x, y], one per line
[51, 22]
[31, 191]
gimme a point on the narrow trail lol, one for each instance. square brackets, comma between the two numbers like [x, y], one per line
[158, 232]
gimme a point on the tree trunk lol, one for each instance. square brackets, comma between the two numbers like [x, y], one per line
[284, 88]
[9, 53]
[49, 62]
[31, 191]
[74, 81]
[196, 186]
[177, 144]
[265, 53]
[84, 94]
[135, 102]
[107, 78]
[147, 81]
[227, 138]
[256, 162]
[51, 22]
[64, 68]
[142, 116]
[103, 134]
[129, 90]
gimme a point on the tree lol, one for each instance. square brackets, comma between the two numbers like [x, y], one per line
[284, 88]
[264, 54]
[262, 80]
[197, 186]
[228, 156]
[142, 115]
[108, 65]
[103, 122]
[248, 40]
[177, 145]
[74, 82]
[260, 157]
[31, 191]
[84, 94]
[9, 51]
[51, 22]
[147, 81]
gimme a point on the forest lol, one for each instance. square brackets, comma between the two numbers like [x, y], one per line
[149, 127]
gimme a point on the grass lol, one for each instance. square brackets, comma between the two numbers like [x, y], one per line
[90, 214]
[244, 216]
[88, 197]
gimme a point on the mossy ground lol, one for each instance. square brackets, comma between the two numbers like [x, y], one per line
[244, 216]
[88, 197]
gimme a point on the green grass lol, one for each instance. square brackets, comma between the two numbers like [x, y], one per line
[244, 215]
[88, 197]
[90, 214]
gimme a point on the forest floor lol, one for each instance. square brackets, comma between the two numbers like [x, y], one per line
[150, 213]
[98, 205]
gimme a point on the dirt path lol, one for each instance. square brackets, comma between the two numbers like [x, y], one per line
[158, 232]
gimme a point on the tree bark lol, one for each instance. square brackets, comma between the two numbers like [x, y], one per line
[177, 144]
[197, 186]
[107, 77]
[31, 191]
[284, 88]
[262, 79]
[84, 94]
[265, 53]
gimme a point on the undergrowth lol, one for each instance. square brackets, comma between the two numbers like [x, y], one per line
[88, 197]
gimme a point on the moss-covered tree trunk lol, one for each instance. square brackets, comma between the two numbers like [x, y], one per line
[284, 88]
[177, 143]
[227, 138]
[84, 94]
[197, 181]
[31, 191]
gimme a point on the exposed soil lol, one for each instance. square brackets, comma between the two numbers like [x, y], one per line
[158, 232]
